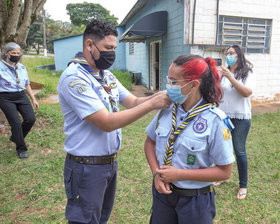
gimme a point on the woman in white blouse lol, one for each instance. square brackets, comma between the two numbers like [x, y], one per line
[238, 82]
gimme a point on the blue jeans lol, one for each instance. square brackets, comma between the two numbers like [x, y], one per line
[239, 136]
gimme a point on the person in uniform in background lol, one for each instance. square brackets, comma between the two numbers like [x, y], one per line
[89, 96]
[238, 83]
[14, 84]
[189, 144]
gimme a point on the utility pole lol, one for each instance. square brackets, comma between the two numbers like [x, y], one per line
[44, 31]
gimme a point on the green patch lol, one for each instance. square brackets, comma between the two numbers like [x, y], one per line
[191, 159]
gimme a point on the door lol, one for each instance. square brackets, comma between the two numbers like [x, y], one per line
[155, 65]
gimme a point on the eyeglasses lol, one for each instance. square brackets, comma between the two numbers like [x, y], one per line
[173, 82]
[230, 53]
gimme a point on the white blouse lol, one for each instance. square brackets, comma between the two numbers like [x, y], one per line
[233, 104]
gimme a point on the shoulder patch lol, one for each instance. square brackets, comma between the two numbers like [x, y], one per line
[226, 134]
[77, 82]
[221, 114]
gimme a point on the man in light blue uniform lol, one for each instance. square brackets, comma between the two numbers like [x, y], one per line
[14, 84]
[89, 96]
[189, 144]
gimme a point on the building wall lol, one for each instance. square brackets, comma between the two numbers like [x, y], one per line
[266, 66]
[172, 42]
[120, 62]
[65, 49]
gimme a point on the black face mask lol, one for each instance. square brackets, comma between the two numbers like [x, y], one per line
[106, 59]
[14, 58]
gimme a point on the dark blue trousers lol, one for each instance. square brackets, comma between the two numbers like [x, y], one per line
[90, 191]
[11, 104]
[175, 209]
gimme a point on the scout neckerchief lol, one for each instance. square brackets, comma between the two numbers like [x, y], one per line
[100, 77]
[169, 148]
[14, 70]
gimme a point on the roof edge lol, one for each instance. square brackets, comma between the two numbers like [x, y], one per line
[138, 5]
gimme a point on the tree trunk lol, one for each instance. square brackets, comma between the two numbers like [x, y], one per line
[16, 19]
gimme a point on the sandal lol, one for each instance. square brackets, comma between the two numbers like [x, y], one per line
[217, 183]
[242, 193]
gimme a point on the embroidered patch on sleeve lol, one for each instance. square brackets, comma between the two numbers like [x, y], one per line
[227, 134]
[76, 82]
[82, 85]
[191, 159]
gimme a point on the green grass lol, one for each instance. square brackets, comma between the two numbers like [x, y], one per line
[32, 190]
[50, 78]
[44, 76]
[124, 78]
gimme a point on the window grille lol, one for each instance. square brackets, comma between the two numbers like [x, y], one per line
[253, 35]
[131, 48]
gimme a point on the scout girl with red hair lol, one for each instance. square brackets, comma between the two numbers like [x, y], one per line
[189, 144]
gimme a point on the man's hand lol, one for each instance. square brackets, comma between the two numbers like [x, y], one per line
[161, 100]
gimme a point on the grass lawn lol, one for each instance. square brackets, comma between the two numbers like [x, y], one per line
[32, 190]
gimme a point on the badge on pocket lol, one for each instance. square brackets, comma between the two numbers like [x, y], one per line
[191, 159]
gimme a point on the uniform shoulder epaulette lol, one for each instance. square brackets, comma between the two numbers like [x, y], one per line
[221, 114]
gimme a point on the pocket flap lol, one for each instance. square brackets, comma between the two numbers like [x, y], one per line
[162, 132]
[194, 144]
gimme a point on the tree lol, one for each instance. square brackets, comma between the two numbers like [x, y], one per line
[16, 17]
[83, 13]
[55, 29]
[35, 35]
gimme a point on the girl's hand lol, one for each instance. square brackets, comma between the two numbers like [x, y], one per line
[161, 186]
[168, 173]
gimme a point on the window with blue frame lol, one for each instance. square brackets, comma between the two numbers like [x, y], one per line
[253, 35]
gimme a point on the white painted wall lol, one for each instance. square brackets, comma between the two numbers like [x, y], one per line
[266, 66]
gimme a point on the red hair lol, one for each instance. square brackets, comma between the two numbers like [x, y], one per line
[195, 67]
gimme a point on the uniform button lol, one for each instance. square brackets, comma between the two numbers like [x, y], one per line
[192, 148]
[182, 118]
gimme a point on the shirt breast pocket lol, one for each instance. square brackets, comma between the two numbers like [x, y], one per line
[194, 144]
[161, 140]
[193, 152]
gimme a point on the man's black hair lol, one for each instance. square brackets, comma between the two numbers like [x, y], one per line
[98, 29]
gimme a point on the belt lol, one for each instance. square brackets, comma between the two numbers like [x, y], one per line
[94, 160]
[191, 192]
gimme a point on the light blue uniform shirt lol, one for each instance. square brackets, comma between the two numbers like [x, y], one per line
[204, 142]
[8, 80]
[81, 95]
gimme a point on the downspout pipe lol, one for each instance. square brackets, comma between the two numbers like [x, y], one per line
[194, 7]
[217, 25]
